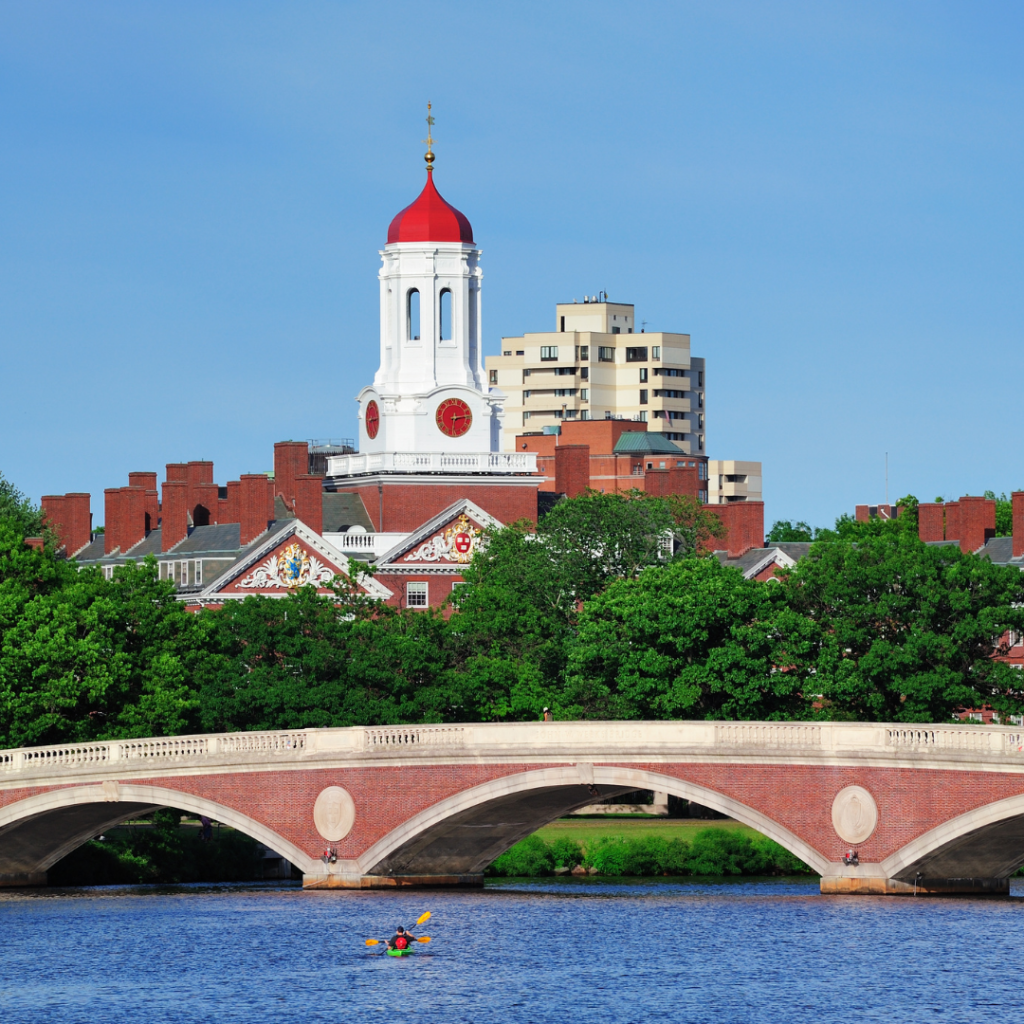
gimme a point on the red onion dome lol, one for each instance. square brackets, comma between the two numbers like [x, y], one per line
[430, 219]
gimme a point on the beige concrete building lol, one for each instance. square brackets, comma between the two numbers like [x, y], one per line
[729, 480]
[595, 366]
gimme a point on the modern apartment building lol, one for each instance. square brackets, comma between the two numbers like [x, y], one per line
[596, 366]
[729, 481]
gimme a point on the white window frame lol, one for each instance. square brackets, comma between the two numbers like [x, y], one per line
[422, 591]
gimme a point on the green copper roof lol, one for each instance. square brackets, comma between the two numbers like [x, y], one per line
[649, 444]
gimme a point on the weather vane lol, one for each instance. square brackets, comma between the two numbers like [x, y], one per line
[429, 140]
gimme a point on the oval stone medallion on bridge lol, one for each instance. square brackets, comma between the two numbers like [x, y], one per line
[334, 813]
[854, 814]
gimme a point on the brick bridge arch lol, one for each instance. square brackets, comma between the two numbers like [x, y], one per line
[38, 831]
[938, 808]
[464, 833]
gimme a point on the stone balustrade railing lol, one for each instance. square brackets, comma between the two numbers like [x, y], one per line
[432, 462]
[566, 741]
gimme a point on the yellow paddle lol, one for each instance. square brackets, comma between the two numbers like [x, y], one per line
[421, 938]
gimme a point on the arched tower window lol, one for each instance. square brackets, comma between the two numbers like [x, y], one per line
[413, 315]
[446, 314]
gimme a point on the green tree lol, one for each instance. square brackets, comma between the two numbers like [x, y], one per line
[18, 511]
[1004, 513]
[784, 531]
[900, 630]
[693, 639]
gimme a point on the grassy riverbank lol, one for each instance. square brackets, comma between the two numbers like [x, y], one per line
[646, 847]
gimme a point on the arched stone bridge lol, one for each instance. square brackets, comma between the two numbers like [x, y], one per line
[925, 808]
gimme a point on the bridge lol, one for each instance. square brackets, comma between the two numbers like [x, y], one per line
[925, 809]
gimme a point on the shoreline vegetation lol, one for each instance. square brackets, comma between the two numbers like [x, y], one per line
[653, 849]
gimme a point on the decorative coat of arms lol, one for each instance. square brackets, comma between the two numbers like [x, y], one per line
[456, 544]
[293, 567]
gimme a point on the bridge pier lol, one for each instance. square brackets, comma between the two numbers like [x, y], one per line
[879, 885]
[349, 881]
[22, 879]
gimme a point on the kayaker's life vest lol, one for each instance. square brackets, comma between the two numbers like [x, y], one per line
[401, 942]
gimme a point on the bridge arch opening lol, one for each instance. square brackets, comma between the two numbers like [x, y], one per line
[40, 830]
[465, 833]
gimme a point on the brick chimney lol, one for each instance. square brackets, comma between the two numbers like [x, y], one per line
[952, 511]
[931, 521]
[291, 460]
[198, 474]
[111, 520]
[309, 500]
[744, 524]
[204, 504]
[1018, 523]
[147, 481]
[77, 521]
[256, 494]
[55, 517]
[977, 522]
[231, 507]
[132, 512]
[174, 519]
[572, 469]
[177, 471]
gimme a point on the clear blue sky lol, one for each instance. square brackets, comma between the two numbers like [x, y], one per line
[827, 197]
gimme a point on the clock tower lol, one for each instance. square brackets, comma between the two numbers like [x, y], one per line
[429, 394]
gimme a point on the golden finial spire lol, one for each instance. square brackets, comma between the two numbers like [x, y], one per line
[429, 157]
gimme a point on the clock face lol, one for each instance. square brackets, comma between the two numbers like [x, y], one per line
[454, 417]
[372, 420]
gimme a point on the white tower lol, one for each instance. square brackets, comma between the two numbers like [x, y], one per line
[429, 395]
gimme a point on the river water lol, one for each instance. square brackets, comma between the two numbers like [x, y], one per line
[552, 950]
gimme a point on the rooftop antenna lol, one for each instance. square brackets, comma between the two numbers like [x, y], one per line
[429, 140]
[887, 478]
[643, 326]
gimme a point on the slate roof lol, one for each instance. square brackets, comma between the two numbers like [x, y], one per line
[344, 510]
[757, 559]
[1000, 551]
[223, 537]
[149, 546]
[640, 442]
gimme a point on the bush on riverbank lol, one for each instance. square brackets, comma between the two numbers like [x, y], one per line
[711, 852]
[161, 852]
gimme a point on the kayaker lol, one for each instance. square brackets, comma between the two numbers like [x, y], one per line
[401, 939]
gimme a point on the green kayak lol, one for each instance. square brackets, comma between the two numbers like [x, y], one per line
[399, 952]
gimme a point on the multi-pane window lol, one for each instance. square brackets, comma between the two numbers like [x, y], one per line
[637, 354]
[606, 354]
[584, 373]
[565, 392]
[584, 352]
[700, 399]
[548, 352]
[585, 394]
[643, 396]
[664, 371]
[416, 595]
[655, 351]
[643, 374]
[667, 393]
[494, 376]
[199, 571]
[700, 378]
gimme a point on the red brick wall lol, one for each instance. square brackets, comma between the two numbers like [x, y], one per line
[257, 504]
[144, 479]
[952, 511]
[291, 460]
[572, 469]
[55, 516]
[111, 520]
[439, 587]
[1018, 523]
[744, 524]
[674, 480]
[177, 471]
[232, 512]
[204, 496]
[147, 481]
[861, 514]
[77, 521]
[409, 506]
[600, 435]
[309, 500]
[931, 521]
[977, 522]
[132, 513]
[174, 513]
[910, 801]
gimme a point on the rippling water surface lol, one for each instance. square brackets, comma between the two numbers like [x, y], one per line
[532, 951]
